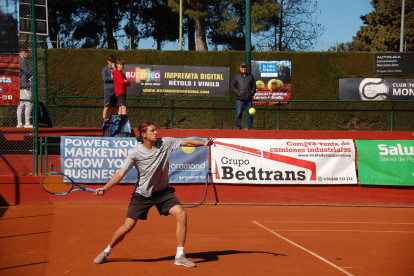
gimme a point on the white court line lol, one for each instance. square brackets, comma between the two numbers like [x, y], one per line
[362, 231]
[303, 248]
[345, 222]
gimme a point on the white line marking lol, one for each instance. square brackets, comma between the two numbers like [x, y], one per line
[303, 248]
[362, 231]
[345, 222]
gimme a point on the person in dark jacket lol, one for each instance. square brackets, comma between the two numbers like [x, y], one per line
[244, 86]
[110, 100]
[25, 91]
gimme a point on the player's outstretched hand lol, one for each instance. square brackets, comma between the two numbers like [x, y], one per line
[100, 191]
[210, 142]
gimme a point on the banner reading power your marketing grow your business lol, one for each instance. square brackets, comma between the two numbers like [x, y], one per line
[96, 159]
[261, 161]
[388, 162]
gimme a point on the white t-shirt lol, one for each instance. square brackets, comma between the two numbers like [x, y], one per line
[152, 165]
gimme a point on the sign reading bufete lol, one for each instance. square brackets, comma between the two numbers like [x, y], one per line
[389, 162]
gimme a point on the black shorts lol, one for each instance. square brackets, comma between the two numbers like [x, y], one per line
[121, 100]
[164, 200]
[110, 99]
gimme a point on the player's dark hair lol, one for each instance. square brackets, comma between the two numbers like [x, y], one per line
[24, 48]
[142, 128]
[120, 61]
[111, 58]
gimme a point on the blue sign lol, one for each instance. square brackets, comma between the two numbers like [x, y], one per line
[269, 68]
[97, 159]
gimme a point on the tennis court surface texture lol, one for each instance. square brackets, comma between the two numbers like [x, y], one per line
[63, 239]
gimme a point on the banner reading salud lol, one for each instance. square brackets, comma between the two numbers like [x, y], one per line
[388, 162]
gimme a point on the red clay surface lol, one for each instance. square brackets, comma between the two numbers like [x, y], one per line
[63, 239]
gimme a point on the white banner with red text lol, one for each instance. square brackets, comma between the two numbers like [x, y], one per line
[268, 161]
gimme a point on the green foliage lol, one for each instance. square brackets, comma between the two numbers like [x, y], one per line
[315, 76]
[382, 29]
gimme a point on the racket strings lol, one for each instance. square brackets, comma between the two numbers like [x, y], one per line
[56, 184]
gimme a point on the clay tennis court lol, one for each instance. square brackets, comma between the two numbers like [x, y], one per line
[63, 239]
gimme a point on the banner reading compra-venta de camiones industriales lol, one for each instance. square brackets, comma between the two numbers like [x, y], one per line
[387, 162]
[96, 159]
[177, 80]
[262, 161]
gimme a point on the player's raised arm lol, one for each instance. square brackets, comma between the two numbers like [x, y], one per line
[116, 178]
[197, 143]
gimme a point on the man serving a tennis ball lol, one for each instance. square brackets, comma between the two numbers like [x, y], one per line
[150, 158]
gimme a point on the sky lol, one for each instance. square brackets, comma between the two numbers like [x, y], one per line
[340, 18]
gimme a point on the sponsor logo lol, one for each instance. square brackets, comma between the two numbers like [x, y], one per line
[374, 89]
[395, 150]
[253, 173]
[3, 79]
[144, 75]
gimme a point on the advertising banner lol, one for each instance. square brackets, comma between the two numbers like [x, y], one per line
[262, 161]
[388, 162]
[177, 80]
[396, 63]
[9, 80]
[97, 159]
[9, 27]
[272, 81]
[9, 53]
[374, 89]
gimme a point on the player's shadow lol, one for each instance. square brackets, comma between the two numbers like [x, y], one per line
[209, 256]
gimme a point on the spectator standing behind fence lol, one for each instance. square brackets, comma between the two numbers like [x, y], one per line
[244, 86]
[120, 84]
[25, 91]
[110, 100]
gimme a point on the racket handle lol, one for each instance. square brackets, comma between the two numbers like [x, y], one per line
[90, 190]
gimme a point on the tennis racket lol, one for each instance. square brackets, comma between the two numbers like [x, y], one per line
[59, 184]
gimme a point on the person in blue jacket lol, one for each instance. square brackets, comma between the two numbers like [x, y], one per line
[110, 100]
[26, 96]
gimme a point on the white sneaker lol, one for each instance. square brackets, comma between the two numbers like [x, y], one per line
[19, 125]
[100, 259]
[184, 261]
[28, 126]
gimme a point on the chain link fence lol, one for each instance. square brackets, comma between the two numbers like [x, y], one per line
[19, 147]
[17, 156]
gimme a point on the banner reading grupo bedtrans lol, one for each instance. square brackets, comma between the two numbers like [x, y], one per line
[387, 162]
[97, 159]
[177, 80]
[262, 161]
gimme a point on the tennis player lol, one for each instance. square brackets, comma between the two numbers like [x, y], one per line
[150, 157]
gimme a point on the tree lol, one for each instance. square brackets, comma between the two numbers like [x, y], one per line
[157, 21]
[347, 47]
[383, 27]
[87, 23]
[227, 25]
[297, 27]
[60, 14]
[283, 25]
[198, 12]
